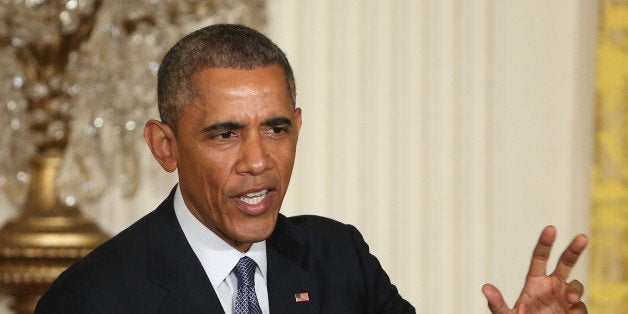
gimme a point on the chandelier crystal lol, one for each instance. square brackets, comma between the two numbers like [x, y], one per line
[77, 80]
[82, 73]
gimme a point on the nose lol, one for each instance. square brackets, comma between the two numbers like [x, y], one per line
[254, 158]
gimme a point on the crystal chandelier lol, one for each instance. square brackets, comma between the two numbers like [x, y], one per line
[89, 67]
[77, 80]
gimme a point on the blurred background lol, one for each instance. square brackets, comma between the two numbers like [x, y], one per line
[449, 132]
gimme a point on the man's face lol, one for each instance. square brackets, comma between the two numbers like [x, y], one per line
[235, 150]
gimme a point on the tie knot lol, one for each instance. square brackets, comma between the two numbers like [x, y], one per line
[245, 270]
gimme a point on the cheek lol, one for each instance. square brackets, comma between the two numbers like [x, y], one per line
[284, 161]
[217, 174]
[206, 172]
[213, 164]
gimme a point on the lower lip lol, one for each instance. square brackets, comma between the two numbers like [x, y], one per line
[257, 209]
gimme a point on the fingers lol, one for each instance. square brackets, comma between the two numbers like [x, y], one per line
[538, 265]
[495, 300]
[569, 257]
[579, 308]
[574, 292]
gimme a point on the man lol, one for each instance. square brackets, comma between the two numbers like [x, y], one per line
[226, 97]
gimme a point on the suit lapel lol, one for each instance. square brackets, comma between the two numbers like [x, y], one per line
[192, 293]
[173, 265]
[286, 276]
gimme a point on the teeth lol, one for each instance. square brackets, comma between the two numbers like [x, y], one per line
[254, 198]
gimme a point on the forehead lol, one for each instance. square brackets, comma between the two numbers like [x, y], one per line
[227, 93]
[236, 82]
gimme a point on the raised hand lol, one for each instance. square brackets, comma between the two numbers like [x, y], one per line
[542, 293]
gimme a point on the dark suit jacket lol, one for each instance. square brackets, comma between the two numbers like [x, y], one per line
[151, 268]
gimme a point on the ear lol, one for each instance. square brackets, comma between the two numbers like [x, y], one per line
[162, 143]
[297, 118]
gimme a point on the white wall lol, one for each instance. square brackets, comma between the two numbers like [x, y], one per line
[449, 132]
[542, 100]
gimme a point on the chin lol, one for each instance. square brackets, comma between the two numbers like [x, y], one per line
[254, 234]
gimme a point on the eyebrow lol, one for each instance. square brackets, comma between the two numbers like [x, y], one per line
[232, 125]
[222, 126]
[277, 121]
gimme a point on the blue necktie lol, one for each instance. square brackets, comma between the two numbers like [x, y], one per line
[246, 300]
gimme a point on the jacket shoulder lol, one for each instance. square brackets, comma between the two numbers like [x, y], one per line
[119, 268]
[340, 258]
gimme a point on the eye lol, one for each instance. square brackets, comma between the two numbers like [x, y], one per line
[225, 135]
[276, 131]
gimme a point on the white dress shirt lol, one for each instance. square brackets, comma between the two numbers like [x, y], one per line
[218, 258]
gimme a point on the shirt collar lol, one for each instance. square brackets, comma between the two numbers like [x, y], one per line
[216, 256]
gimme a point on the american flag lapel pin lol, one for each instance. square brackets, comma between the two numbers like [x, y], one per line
[301, 297]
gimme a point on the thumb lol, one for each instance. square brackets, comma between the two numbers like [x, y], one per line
[495, 300]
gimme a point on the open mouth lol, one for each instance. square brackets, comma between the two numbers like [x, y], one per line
[254, 198]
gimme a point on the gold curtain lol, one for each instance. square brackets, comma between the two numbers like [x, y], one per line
[608, 291]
